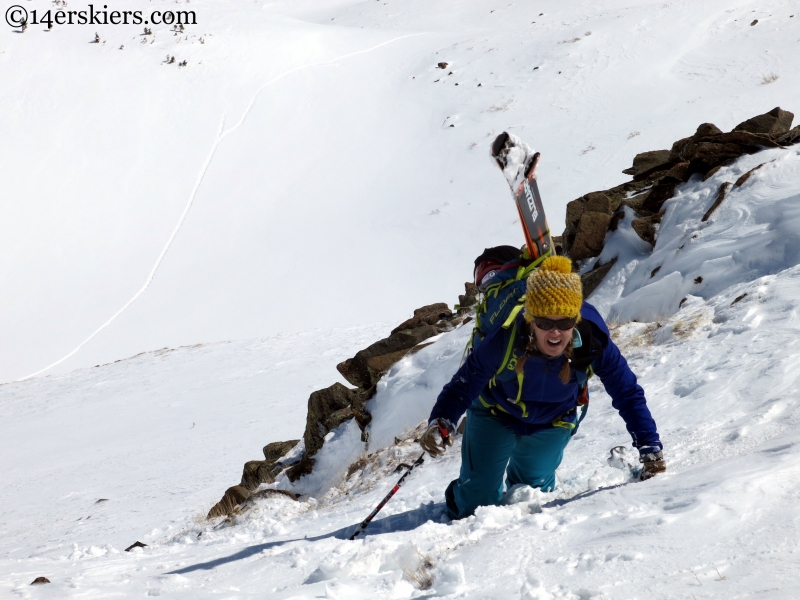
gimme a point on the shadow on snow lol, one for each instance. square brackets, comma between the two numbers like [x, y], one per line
[404, 521]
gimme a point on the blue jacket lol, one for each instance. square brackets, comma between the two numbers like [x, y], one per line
[545, 398]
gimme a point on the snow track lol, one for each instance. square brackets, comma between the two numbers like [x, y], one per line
[223, 133]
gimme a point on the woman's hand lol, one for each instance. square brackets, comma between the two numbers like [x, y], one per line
[437, 437]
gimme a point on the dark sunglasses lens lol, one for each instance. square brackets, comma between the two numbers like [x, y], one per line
[548, 324]
[565, 324]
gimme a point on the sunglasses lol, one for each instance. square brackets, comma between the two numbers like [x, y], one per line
[548, 324]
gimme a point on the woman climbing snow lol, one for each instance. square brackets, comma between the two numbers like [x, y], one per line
[523, 389]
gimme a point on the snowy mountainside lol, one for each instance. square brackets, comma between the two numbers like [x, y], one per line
[311, 170]
[755, 231]
[301, 133]
[721, 379]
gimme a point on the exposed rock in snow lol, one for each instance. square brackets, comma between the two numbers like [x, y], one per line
[659, 173]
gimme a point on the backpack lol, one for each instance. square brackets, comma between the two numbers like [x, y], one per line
[501, 274]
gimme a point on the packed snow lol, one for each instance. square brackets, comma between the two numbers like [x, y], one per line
[286, 199]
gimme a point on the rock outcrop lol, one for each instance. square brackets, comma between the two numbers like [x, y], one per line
[327, 409]
[656, 174]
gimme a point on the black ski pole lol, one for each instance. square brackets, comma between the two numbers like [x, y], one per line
[365, 523]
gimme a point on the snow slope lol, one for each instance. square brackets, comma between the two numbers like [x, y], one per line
[108, 148]
[314, 137]
[721, 379]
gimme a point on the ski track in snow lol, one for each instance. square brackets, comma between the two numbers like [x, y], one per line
[220, 136]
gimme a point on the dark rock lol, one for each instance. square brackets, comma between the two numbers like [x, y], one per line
[442, 65]
[774, 122]
[658, 195]
[270, 492]
[615, 219]
[234, 496]
[136, 544]
[558, 245]
[706, 129]
[41, 580]
[303, 467]
[655, 172]
[257, 472]
[635, 202]
[755, 21]
[739, 298]
[468, 298]
[597, 202]
[753, 141]
[356, 370]
[703, 156]
[790, 137]
[654, 271]
[575, 211]
[277, 450]
[624, 193]
[427, 315]
[327, 409]
[574, 214]
[740, 182]
[645, 230]
[679, 173]
[594, 277]
[721, 193]
[628, 194]
[590, 235]
[676, 154]
[713, 171]
[709, 149]
[338, 417]
[348, 371]
[646, 227]
[647, 160]
[698, 280]
[381, 364]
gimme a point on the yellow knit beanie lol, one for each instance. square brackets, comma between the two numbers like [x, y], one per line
[554, 290]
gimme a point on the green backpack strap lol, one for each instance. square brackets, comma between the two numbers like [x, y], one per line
[512, 316]
[523, 272]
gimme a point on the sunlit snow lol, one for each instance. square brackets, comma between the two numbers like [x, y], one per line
[305, 162]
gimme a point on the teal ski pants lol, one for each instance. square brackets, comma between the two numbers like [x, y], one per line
[490, 451]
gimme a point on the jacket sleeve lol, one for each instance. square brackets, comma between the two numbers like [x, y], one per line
[627, 396]
[468, 382]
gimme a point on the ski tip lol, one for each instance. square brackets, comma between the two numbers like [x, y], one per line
[499, 143]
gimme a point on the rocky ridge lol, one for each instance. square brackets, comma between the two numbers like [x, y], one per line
[656, 174]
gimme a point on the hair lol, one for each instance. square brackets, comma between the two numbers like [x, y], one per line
[566, 371]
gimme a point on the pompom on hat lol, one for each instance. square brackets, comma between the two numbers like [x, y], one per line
[554, 290]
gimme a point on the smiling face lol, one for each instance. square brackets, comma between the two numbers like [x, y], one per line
[554, 341]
